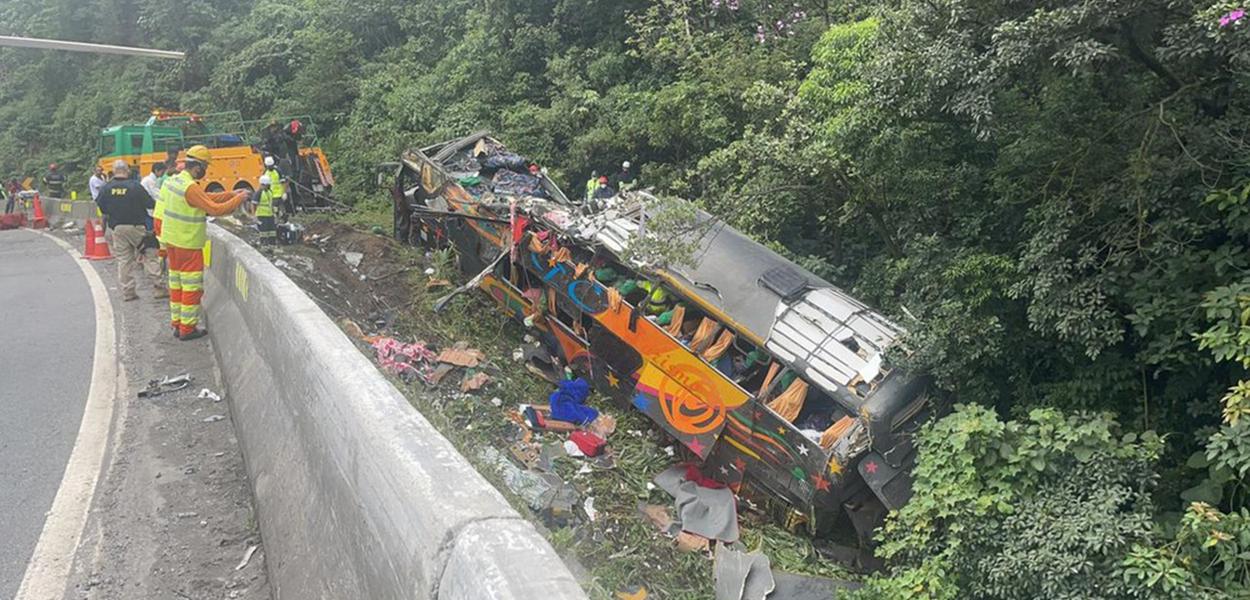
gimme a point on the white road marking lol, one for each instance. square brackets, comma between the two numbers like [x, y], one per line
[47, 573]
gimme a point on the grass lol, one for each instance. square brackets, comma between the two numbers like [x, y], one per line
[621, 548]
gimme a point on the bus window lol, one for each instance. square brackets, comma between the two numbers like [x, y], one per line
[108, 144]
[136, 143]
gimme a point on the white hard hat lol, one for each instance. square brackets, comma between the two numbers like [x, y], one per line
[268, 161]
[625, 165]
[264, 180]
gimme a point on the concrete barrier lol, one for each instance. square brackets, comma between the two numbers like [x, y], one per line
[357, 495]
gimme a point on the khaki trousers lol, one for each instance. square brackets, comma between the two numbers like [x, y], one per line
[126, 242]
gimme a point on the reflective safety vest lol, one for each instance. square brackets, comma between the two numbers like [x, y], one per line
[182, 225]
[657, 298]
[275, 183]
[264, 207]
[592, 184]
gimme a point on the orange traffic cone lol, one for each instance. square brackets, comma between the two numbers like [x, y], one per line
[40, 221]
[97, 246]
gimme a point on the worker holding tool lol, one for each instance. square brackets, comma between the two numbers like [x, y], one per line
[264, 211]
[275, 186]
[184, 231]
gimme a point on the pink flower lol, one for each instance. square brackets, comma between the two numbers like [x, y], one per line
[1232, 17]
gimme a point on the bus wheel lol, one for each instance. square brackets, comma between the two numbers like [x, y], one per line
[214, 187]
[242, 185]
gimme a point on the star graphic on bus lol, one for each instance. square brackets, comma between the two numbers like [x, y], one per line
[870, 467]
[695, 446]
[612, 380]
[822, 484]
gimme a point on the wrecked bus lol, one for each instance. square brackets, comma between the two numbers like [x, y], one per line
[775, 379]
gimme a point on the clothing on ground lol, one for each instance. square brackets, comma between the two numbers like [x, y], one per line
[128, 245]
[568, 402]
[711, 513]
[186, 286]
[125, 202]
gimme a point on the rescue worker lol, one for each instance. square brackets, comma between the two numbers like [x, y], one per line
[184, 232]
[264, 212]
[625, 179]
[658, 299]
[54, 182]
[124, 201]
[158, 213]
[592, 184]
[275, 186]
[604, 190]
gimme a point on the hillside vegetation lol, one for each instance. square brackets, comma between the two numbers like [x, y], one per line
[1051, 196]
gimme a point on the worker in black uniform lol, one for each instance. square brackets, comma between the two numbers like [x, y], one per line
[126, 204]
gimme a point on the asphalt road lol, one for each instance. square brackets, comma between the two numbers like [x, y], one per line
[47, 335]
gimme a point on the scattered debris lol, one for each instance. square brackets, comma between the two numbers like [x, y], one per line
[604, 426]
[496, 401]
[518, 355]
[403, 359]
[207, 394]
[353, 258]
[280, 263]
[742, 576]
[589, 507]
[352, 328]
[461, 355]
[543, 492]
[437, 283]
[568, 402]
[474, 382]
[689, 542]
[588, 443]
[214, 418]
[790, 586]
[188, 515]
[165, 385]
[247, 557]
[711, 513]
[572, 449]
[632, 593]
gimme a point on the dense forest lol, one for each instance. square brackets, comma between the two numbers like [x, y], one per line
[1053, 197]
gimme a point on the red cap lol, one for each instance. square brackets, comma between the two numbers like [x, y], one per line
[52, 166]
[603, 179]
[533, 168]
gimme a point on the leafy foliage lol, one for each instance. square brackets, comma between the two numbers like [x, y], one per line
[1046, 507]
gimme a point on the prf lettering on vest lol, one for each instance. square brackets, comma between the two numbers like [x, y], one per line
[117, 191]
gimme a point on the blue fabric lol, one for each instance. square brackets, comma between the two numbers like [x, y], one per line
[504, 160]
[568, 402]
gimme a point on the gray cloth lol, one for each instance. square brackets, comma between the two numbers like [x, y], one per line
[710, 513]
[742, 576]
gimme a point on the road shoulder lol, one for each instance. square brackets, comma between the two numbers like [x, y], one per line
[172, 515]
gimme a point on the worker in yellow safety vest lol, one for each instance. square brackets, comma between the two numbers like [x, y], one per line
[184, 231]
[276, 188]
[264, 211]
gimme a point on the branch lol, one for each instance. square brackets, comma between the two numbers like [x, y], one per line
[1150, 62]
